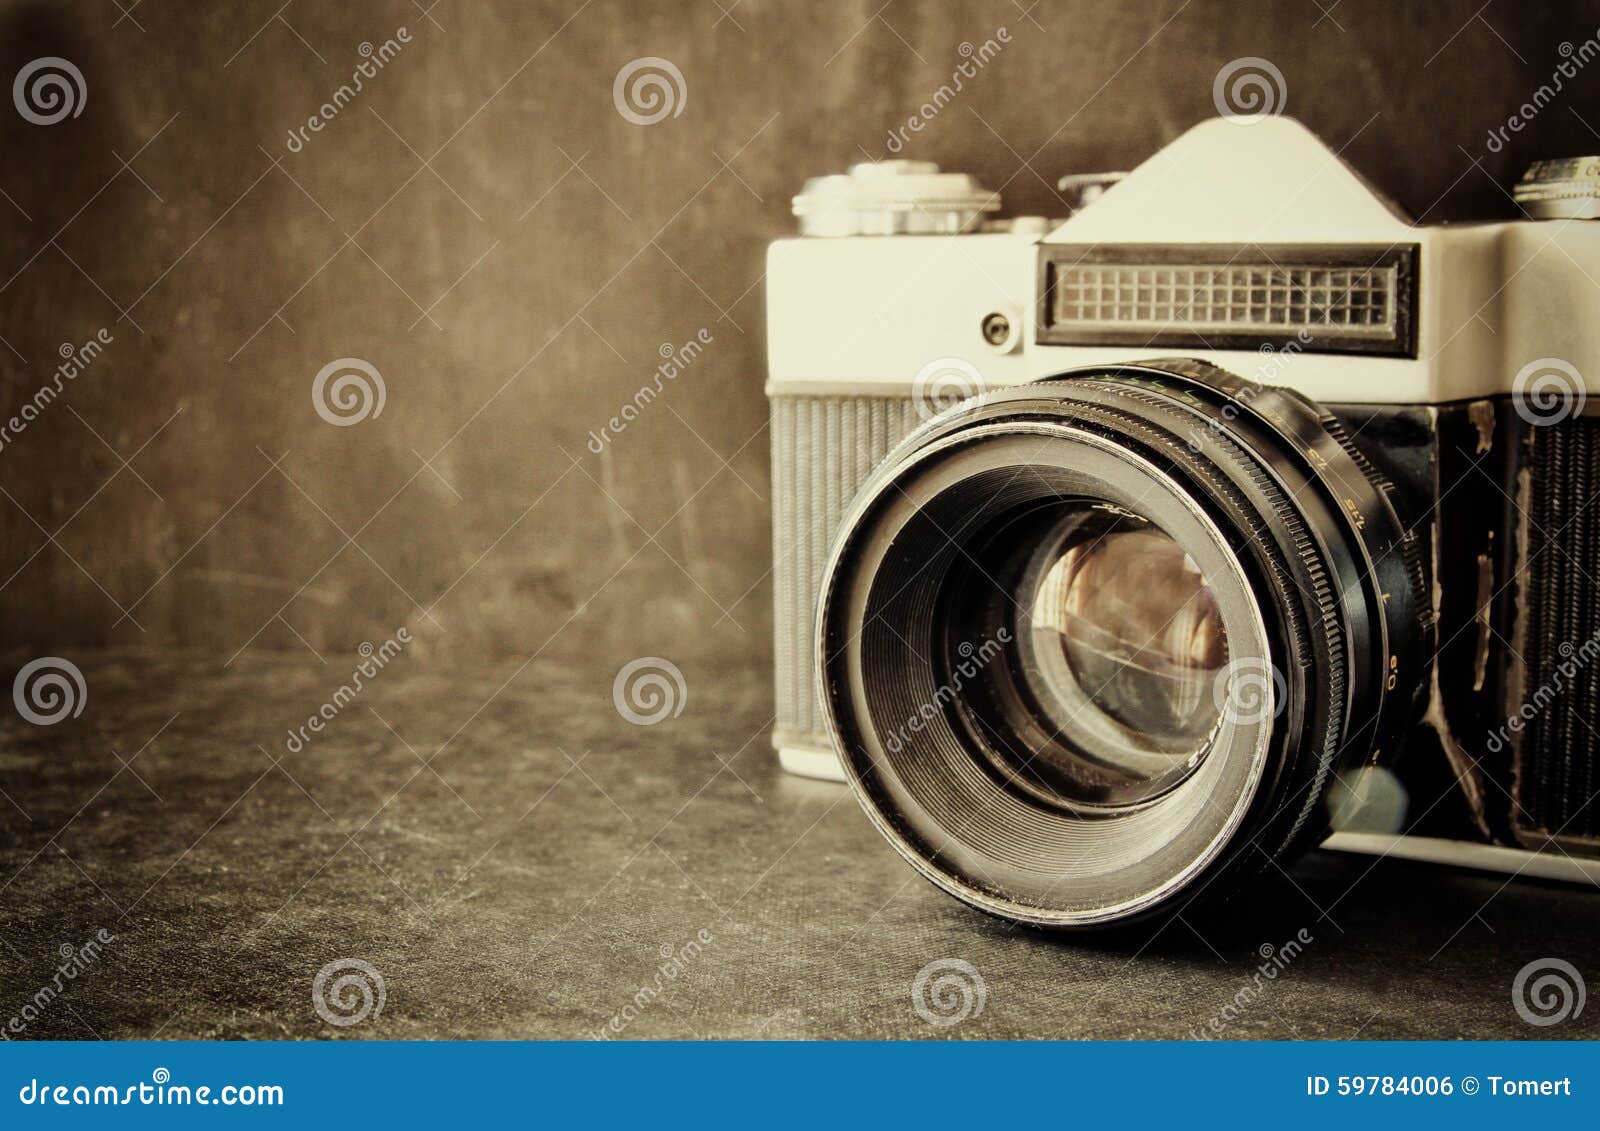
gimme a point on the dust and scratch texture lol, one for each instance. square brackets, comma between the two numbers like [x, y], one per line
[526, 882]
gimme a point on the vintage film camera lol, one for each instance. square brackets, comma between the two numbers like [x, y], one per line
[1119, 556]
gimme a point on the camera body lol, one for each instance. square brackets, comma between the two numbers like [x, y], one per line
[1452, 365]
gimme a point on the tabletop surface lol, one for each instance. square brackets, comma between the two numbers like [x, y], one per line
[537, 867]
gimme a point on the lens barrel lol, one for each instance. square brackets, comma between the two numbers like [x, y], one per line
[1093, 647]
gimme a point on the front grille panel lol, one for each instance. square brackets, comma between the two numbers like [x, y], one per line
[823, 449]
[1559, 761]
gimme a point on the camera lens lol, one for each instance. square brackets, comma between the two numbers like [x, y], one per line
[1124, 620]
[1093, 647]
[1104, 695]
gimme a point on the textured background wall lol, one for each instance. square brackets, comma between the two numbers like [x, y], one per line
[483, 227]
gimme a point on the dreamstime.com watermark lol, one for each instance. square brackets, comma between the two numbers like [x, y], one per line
[947, 991]
[74, 961]
[48, 690]
[649, 690]
[49, 90]
[674, 962]
[75, 360]
[1275, 360]
[1573, 661]
[1573, 60]
[373, 661]
[347, 391]
[1547, 390]
[973, 659]
[973, 60]
[1249, 690]
[675, 360]
[1249, 89]
[1548, 991]
[649, 90]
[373, 60]
[1274, 961]
[348, 991]
[944, 383]
[158, 1091]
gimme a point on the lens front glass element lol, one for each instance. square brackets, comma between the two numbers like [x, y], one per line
[1103, 695]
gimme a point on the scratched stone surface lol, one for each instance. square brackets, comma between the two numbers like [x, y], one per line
[512, 865]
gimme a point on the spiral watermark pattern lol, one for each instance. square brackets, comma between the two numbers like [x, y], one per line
[649, 690]
[48, 690]
[1249, 89]
[1249, 690]
[49, 90]
[1548, 390]
[348, 391]
[947, 991]
[943, 383]
[347, 991]
[1548, 991]
[649, 90]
